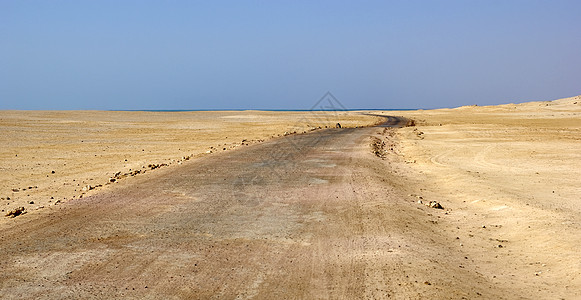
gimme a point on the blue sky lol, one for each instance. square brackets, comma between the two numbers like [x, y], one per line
[286, 54]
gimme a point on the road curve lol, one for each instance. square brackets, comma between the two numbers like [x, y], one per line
[301, 217]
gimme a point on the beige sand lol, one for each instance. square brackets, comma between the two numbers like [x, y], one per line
[508, 177]
[511, 177]
[85, 149]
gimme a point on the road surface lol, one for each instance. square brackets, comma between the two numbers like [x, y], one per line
[307, 216]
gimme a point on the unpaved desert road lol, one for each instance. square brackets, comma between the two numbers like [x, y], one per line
[301, 217]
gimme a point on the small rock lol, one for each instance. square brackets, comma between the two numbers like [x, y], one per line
[16, 212]
[112, 179]
[436, 205]
[16, 190]
[31, 202]
[52, 172]
[338, 125]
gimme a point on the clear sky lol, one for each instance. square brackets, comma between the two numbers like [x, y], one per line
[286, 54]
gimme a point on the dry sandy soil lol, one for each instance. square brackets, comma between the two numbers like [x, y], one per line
[50, 157]
[510, 176]
[343, 217]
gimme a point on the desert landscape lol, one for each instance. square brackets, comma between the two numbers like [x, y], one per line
[50, 157]
[511, 177]
[470, 202]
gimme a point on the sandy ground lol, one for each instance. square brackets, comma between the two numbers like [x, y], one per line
[348, 218]
[511, 177]
[314, 216]
[50, 157]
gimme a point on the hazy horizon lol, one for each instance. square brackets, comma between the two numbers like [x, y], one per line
[188, 55]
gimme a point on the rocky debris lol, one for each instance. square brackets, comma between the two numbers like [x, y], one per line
[378, 147]
[338, 125]
[418, 133]
[88, 188]
[432, 204]
[388, 132]
[16, 212]
[436, 205]
[16, 190]
[410, 123]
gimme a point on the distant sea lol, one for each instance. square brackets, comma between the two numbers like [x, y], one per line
[185, 110]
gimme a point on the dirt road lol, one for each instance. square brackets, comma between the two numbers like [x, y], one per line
[301, 217]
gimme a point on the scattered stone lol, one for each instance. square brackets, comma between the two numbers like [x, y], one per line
[88, 188]
[338, 125]
[378, 147]
[112, 179]
[31, 202]
[16, 212]
[52, 172]
[7, 198]
[436, 205]
[410, 123]
[16, 190]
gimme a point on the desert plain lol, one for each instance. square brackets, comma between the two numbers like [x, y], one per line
[470, 202]
[50, 157]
